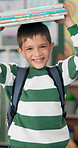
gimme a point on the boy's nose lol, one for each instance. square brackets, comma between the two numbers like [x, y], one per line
[37, 52]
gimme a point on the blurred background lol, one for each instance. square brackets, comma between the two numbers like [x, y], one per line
[63, 49]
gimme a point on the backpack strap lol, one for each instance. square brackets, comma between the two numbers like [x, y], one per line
[17, 89]
[56, 75]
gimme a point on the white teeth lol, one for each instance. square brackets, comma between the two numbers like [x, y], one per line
[38, 60]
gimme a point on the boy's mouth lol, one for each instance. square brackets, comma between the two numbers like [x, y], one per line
[40, 60]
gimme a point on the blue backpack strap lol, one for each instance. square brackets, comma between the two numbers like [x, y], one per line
[56, 75]
[17, 89]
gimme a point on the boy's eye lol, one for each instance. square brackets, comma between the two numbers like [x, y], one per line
[43, 46]
[29, 49]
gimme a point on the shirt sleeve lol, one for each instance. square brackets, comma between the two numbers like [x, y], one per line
[74, 36]
[7, 74]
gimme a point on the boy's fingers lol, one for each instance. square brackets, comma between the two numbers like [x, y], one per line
[1, 28]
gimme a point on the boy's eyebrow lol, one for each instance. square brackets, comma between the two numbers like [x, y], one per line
[28, 46]
[43, 44]
[32, 45]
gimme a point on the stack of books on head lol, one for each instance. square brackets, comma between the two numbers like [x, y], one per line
[37, 14]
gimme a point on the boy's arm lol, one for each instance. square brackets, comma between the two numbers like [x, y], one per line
[69, 66]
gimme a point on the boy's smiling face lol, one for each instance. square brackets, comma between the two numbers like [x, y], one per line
[36, 51]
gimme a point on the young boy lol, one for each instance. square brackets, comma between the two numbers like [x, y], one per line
[39, 122]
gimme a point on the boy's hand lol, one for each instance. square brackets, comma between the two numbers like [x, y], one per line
[1, 28]
[67, 21]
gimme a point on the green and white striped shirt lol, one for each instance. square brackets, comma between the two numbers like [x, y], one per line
[38, 122]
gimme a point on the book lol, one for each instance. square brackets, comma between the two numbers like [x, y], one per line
[34, 14]
[37, 14]
[44, 19]
[28, 18]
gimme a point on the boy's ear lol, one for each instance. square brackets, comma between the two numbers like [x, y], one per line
[52, 46]
[20, 51]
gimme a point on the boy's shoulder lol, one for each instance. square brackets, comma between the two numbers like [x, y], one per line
[73, 29]
[14, 68]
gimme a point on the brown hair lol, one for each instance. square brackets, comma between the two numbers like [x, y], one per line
[29, 30]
